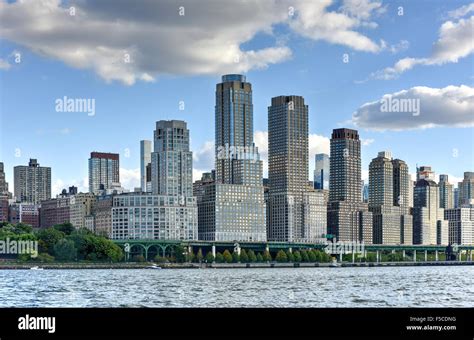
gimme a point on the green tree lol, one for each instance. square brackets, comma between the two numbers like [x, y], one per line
[304, 256]
[65, 250]
[297, 256]
[49, 237]
[219, 258]
[45, 257]
[281, 256]
[190, 256]
[244, 258]
[235, 257]
[259, 257]
[180, 253]
[227, 256]
[251, 255]
[67, 228]
[311, 256]
[199, 256]
[159, 259]
[290, 256]
[209, 257]
[267, 257]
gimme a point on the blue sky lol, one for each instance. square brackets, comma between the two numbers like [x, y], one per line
[302, 54]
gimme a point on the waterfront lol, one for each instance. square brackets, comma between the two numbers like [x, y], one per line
[451, 286]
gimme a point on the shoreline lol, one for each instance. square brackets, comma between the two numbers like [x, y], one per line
[59, 266]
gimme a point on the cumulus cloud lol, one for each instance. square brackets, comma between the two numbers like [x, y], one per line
[461, 11]
[451, 106]
[455, 42]
[127, 43]
[130, 178]
[203, 160]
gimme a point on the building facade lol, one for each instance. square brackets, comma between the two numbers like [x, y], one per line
[32, 182]
[466, 190]
[321, 171]
[80, 210]
[232, 208]
[429, 225]
[145, 165]
[26, 213]
[295, 208]
[461, 225]
[446, 200]
[55, 211]
[349, 219]
[104, 171]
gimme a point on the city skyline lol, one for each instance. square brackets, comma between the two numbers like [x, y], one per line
[313, 66]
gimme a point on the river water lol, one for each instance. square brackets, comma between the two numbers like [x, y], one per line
[282, 287]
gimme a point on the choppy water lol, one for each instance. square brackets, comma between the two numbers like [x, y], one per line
[285, 287]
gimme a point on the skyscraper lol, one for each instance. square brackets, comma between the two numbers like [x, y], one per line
[429, 225]
[145, 160]
[169, 212]
[445, 193]
[3, 182]
[233, 207]
[392, 224]
[32, 182]
[104, 171]
[348, 217]
[292, 202]
[403, 198]
[172, 161]
[425, 172]
[321, 171]
[466, 190]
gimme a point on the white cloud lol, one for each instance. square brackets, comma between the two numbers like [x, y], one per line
[448, 106]
[203, 160]
[455, 42]
[121, 44]
[461, 11]
[130, 178]
[366, 142]
[4, 65]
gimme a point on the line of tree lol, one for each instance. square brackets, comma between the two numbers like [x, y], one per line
[63, 242]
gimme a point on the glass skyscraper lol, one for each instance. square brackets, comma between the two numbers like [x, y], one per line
[233, 208]
[104, 171]
[321, 171]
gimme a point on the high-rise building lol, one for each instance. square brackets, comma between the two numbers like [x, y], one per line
[4, 207]
[102, 212]
[170, 211]
[445, 193]
[145, 165]
[348, 217]
[32, 182]
[294, 205]
[425, 172]
[3, 182]
[456, 197]
[461, 225]
[172, 161]
[80, 209]
[233, 207]
[104, 172]
[388, 187]
[321, 171]
[25, 213]
[429, 225]
[466, 190]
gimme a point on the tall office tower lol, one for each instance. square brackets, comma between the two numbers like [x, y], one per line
[170, 211]
[233, 208]
[293, 203]
[172, 161]
[466, 190]
[321, 171]
[365, 192]
[145, 160]
[348, 217]
[456, 197]
[3, 182]
[425, 172]
[32, 182]
[403, 198]
[391, 223]
[461, 225]
[104, 171]
[445, 193]
[429, 225]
